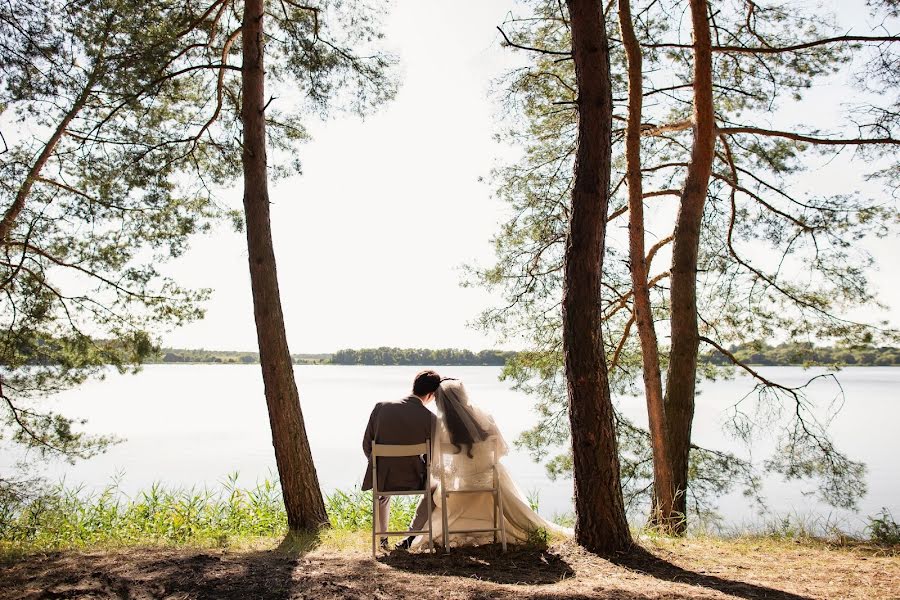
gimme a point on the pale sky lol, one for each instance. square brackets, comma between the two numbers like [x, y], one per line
[370, 239]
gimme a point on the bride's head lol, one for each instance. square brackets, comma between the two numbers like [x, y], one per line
[453, 408]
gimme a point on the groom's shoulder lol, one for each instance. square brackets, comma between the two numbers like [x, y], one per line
[406, 403]
[397, 402]
[400, 402]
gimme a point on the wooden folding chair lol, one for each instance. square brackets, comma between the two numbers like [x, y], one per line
[496, 496]
[398, 451]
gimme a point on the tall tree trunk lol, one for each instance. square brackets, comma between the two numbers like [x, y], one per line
[682, 372]
[299, 482]
[663, 479]
[600, 524]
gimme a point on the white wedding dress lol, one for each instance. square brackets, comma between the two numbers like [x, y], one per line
[458, 470]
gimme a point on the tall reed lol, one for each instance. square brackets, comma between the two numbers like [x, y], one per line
[66, 517]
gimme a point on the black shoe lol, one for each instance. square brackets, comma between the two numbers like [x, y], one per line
[405, 544]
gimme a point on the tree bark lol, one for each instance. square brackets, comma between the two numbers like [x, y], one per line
[682, 372]
[663, 480]
[299, 482]
[600, 524]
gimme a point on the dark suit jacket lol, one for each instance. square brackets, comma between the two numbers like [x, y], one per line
[404, 421]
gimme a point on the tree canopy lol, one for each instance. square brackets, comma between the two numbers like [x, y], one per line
[774, 257]
[121, 123]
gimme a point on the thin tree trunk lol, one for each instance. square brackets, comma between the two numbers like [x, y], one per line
[299, 482]
[682, 372]
[12, 213]
[600, 524]
[663, 480]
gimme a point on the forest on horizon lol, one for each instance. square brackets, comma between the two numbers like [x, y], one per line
[786, 354]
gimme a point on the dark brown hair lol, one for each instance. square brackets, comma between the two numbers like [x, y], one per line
[426, 382]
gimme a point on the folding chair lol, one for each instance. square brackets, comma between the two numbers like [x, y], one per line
[384, 450]
[496, 496]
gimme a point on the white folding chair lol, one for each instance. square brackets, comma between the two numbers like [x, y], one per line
[496, 496]
[393, 450]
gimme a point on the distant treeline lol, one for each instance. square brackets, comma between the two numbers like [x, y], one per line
[754, 354]
[180, 355]
[795, 353]
[420, 356]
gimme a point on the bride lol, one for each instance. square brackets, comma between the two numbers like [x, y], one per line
[467, 445]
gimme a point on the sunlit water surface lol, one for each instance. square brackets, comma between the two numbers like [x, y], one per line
[190, 425]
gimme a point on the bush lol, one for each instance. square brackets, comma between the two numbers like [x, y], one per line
[883, 529]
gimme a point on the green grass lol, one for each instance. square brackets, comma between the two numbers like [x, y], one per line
[230, 516]
[61, 517]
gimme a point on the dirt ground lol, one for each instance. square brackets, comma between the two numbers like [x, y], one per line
[667, 569]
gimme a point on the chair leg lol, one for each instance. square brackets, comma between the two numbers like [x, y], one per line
[430, 524]
[446, 520]
[374, 521]
[502, 517]
[429, 490]
[494, 498]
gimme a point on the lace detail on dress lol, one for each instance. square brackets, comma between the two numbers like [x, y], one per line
[461, 471]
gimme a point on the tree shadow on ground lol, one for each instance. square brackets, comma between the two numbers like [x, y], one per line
[160, 573]
[292, 572]
[640, 560]
[520, 565]
[266, 574]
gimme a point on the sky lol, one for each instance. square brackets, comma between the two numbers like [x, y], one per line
[371, 238]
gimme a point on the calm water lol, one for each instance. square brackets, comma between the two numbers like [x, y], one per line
[192, 424]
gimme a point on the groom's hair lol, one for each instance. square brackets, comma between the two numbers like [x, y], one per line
[426, 382]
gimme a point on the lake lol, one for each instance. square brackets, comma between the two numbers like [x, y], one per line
[190, 425]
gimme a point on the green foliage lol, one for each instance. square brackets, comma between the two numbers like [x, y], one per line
[122, 119]
[538, 538]
[60, 517]
[774, 259]
[790, 354]
[90, 214]
[566, 519]
[807, 354]
[884, 529]
[352, 511]
[420, 356]
[179, 355]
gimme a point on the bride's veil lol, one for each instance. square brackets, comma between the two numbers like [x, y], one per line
[461, 423]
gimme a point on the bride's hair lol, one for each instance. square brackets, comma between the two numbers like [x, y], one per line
[452, 402]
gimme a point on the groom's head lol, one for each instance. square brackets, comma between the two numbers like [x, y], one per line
[425, 385]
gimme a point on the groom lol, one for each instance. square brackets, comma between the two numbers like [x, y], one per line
[404, 422]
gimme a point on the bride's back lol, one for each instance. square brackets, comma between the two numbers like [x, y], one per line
[475, 467]
[470, 441]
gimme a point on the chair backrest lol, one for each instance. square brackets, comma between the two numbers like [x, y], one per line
[491, 442]
[400, 450]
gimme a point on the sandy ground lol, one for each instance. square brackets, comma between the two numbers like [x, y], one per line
[665, 569]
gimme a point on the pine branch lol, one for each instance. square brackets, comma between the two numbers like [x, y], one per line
[799, 137]
[782, 49]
